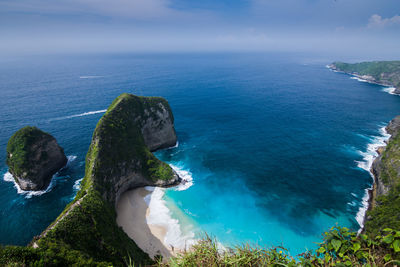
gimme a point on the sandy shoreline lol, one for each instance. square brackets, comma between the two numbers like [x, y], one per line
[132, 211]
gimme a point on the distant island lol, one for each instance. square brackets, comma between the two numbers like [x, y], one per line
[33, 157]
[386, 73]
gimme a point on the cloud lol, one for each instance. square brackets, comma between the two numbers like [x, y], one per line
[376, 21]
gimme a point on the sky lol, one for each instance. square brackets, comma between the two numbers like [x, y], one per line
[364, 27]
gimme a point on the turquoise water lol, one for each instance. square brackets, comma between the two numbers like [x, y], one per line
[273, 142]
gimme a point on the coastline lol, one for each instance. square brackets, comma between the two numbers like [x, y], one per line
[132, 212]
[143, 215]
[8, 177]
[369, 157]
[388, 88]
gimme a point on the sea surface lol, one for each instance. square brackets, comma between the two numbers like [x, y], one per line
[275, 147]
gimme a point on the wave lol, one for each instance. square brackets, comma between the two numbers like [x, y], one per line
[160, 215]
[8, 177]
[77, 185]
[389, 90]
[80, 115]
[359, 79]
[186, 177]
[90, 77]
[368, 158]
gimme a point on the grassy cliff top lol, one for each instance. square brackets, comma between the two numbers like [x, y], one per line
[380, 70]
[19, 148]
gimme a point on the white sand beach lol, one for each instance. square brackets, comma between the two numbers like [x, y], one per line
[132, 210]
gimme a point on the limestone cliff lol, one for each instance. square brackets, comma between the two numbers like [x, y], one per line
[33, 157]
[385, 196]
[118, 159]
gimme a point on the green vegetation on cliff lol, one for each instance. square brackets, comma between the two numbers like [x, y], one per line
[86, 233]
[340, 247]
[386, 212]
[19, 153]
[381, 71]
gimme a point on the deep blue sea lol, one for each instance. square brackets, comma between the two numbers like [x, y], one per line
[273, 142]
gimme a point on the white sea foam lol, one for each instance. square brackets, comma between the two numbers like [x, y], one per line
[8, 177]
[77, 185]
[90, 77]
[368, 158]
[389, 90]
[176, 145]
[79, 115]
[160, 215]
[187, 179]
[358, 79]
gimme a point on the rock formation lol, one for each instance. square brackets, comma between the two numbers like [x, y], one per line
[33, 157]
[118, 159]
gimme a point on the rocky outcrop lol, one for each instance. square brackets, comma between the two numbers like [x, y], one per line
[33, 157]
[393, 127]
[119, 156]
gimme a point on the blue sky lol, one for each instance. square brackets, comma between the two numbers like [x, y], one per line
[206, 25]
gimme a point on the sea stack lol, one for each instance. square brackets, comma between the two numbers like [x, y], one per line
[33, 157]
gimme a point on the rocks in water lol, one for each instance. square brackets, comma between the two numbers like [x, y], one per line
[33, 157]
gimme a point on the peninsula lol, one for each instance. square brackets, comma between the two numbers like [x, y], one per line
[386, 73]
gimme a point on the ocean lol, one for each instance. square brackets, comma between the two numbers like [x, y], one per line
[275, 147]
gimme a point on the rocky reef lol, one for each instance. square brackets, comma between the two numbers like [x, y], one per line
[384, 209]
[118, 159]
[385, 73]
[33, 157]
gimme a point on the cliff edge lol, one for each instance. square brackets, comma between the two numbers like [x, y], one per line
[118, 159]
[384, 209]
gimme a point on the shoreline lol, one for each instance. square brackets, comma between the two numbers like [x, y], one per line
[366, 79]
[132, 213]
[379, 143]
[8, 177]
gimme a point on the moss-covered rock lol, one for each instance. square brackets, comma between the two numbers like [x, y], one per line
[118, 159]
[33, 157]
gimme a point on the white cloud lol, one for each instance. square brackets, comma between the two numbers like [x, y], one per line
[376, 21]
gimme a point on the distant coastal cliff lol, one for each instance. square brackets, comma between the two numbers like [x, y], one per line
[385, 73]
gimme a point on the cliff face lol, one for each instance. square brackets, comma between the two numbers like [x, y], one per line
[118, 159]
[33, 157]
[385, 197]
